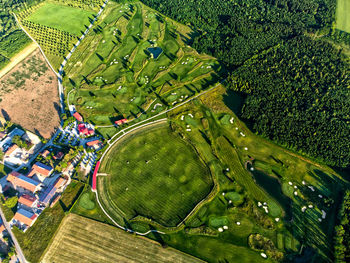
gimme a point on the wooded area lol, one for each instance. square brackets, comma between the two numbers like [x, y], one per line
[297, 84]
[342, 232]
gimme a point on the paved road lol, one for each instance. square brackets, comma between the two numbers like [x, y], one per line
[20, 254]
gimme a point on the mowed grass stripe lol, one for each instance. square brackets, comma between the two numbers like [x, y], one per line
[155, 174]
[84, 240]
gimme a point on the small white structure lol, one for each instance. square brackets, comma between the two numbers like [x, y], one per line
[303, 209]
[231, 120]
[259, 204]
[182, 117]
[323, 214]
[252, 168]
[320, 220]
[220, 229]
[303, 182]
[310, 206]
[241, 133]
[246, 148]
[227, 169]
[295, 193]
[223, 193]
[230, 201]
[277, 219]
[290, 183]
[295, 187]
[311, 188]
[238, 223]
[263, 255]
[320, 196]
[225, 227]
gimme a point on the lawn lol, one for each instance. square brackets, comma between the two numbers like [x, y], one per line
[36, 239]
[83, 240]
[64, 18]
[155, 174]
[342, 15]
[116, 75]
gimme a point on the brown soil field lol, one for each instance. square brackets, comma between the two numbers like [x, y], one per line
[29, 96]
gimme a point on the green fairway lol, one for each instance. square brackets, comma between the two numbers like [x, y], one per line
[343, 15]
[117, 75]
[65, 18]
[157, 175]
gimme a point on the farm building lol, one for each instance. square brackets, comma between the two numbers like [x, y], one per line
[120, 122]
[41, 171]
[96, 144]
[23, 183]
[77, 116]
[24, 219]
[27, 200]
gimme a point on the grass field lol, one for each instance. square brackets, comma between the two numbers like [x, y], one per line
[61, 17]
[342, 15]
[155, 174]
[83, 240]
[116, 76]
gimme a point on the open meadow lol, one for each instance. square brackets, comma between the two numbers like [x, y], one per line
[84, 240]
[167, 179]
[134, 60]
[56, 26]
[342, 15]
[29, 95]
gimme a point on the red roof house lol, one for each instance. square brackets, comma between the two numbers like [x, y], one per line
[77, 116]
[27, 200]
[93, 143]
[120, 122]
[25, 217]
[40, 169]
[84, 130]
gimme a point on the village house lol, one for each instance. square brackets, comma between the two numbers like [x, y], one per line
[83, 129]
[77, 116]
[23, 184]
[27, 201]
[120, 122]
[96, 144]
[23, 219]
[58, 156]
[40, 171]
[46, 197]
[45, 153]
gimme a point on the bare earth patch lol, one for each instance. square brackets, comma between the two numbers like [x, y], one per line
[29, 96]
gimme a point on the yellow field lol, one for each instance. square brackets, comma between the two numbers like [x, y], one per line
[84, 240]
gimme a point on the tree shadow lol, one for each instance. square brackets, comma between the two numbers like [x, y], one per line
[5, 115]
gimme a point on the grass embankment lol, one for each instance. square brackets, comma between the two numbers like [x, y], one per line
[36, 239]
[83, 240]
[167, 178]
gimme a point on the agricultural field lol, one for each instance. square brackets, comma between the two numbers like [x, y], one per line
[56, 27]
[167, 178]
[29, 95]
[135, 61]
[84, 240]
[342, 15]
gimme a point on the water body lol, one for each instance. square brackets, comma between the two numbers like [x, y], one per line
[155, 51]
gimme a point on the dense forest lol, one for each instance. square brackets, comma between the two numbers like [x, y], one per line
[342, 232]
[296, 82]
[12, 39]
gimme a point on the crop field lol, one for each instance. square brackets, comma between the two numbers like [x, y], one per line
[156, 175]
[83, 240]
[114, 73]
[56, 27]
[342, 15]
[29, 95]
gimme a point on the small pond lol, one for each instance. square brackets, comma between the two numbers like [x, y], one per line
[155, 51]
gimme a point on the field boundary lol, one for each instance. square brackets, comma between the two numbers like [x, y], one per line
[19, 57]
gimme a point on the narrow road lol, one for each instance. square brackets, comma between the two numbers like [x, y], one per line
[19, 251]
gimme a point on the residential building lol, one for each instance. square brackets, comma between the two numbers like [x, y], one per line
[120, 122]
[23, 183]
[46, 197]
[85, 130]
[41, 171]
[96, 144]
[58, 156]
[45, 153]
[24, 218]
[27, 200]
[77, 116]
